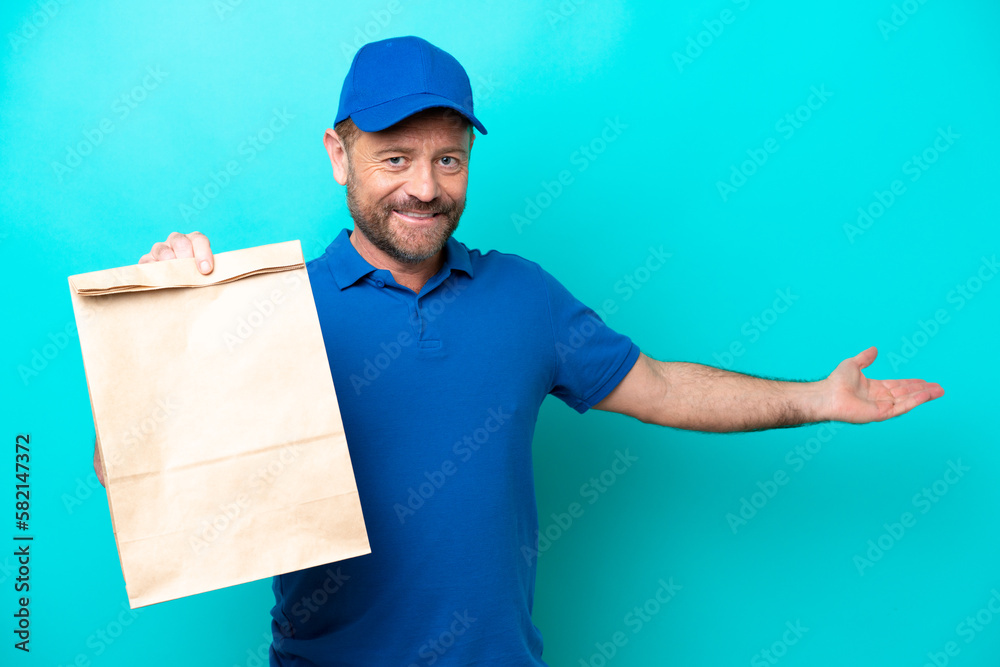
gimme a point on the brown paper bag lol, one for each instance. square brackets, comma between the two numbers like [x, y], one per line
[223, 448]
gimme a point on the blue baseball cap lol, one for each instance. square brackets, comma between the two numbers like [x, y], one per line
[397, 77]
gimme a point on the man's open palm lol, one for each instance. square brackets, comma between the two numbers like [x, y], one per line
[858, 400]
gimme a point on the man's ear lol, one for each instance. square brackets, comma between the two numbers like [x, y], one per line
[338, 155]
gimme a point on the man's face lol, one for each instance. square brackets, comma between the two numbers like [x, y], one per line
[406, 184]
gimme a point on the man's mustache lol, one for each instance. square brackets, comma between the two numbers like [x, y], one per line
[418, 206]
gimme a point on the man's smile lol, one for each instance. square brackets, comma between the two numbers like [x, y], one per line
[417, 217]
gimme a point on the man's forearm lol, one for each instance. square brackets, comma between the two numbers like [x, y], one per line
[704, 398]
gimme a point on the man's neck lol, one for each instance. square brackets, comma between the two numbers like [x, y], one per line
[413, 276]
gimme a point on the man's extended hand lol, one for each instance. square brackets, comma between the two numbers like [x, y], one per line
[696, 397]
[855, 399]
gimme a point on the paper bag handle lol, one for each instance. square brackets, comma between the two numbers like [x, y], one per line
[171, 273]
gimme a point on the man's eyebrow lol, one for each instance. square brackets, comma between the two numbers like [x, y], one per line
[407, 151]
[455, 149]
[393, 149]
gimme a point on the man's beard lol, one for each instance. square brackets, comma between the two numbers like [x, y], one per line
[413, 245]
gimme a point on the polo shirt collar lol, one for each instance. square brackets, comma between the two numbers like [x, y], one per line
[348, 266]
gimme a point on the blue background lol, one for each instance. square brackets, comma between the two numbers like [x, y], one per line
[549, 78]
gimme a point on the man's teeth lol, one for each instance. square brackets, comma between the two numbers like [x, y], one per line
[417, 215]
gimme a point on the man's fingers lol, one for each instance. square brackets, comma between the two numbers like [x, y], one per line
[907, 388]
[906, 403]
[933, 389]
[900, 403]
[161, 251]
[202, 252]
[179, 246]
[892, 384]
[866, 357]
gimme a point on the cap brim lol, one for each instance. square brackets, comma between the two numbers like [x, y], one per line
[387, 114]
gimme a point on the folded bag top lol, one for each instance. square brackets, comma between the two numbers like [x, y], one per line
[229, 266]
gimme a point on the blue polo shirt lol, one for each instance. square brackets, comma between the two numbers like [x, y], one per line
[439, 393]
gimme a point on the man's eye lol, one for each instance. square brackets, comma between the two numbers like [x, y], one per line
[448, 161]
[396, 161]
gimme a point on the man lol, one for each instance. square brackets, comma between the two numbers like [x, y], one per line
[441, 357]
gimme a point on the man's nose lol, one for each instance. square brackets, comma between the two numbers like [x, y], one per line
[422, 182]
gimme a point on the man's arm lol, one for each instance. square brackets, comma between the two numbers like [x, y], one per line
[703, 398]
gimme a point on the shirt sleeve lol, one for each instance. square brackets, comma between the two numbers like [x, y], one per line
[590, 357]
